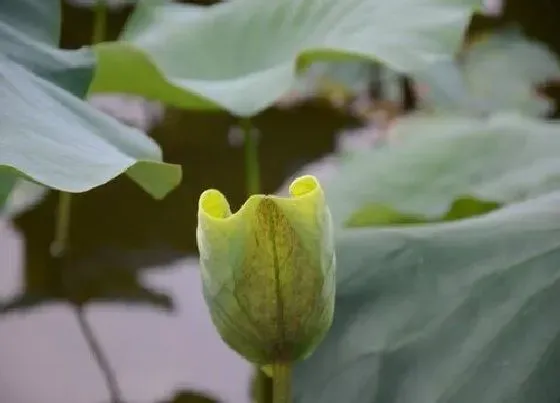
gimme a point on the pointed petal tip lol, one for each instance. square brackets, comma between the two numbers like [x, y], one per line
[214, 204]
[304, 185]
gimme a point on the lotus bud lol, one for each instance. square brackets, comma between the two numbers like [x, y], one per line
[268, 271]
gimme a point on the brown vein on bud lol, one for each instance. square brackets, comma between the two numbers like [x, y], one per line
[279, 287]
[275, 218]
[278, 248]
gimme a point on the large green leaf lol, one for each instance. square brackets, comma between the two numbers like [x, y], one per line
[47, 132]
[244, 55]
[334, 79]
[8, 180]
[433, 161]
[459, 312]
[29, 34]
[502, 73]
[18, 195]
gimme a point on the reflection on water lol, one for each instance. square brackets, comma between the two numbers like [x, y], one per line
[44, 358]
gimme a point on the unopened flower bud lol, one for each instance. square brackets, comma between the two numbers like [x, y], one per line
[268, 271]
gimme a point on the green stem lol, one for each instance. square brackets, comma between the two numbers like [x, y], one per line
[99, 22]
[252, 172]
[62, 225]
[252, 186]
[281, 382]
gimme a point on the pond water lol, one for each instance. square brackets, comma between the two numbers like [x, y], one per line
[44, 358]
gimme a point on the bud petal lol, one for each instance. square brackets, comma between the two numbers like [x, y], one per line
[268, 271]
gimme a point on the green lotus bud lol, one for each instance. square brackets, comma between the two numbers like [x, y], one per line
[268, 271]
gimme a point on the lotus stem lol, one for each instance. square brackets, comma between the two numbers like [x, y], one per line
[59, 244]
[281, 382]
[252, 171]
[99, 22]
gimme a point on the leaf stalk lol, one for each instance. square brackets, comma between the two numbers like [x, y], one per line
[252, 170]
[281, 382]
